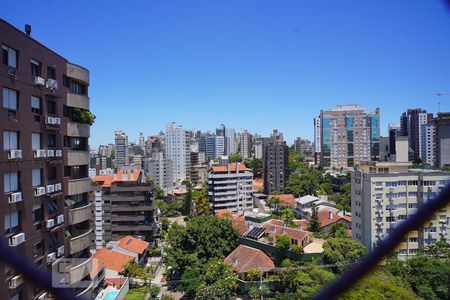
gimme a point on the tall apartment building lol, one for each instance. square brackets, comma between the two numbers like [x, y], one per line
[214, 146]
[303, 146]
[121, 148]
[411, 123]
[258, 148]
[160, 170]
[427, 142]
[349, 135]
[317, 140]
[178, 151]
[245, 143]
[442, 140]
[229, 135]
[199, 170]
[230, 187]
[275, 165]
[44, 163]
[386, 193]
[123, 206]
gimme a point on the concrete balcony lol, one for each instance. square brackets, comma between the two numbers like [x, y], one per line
[78, 186]
[80, 242]
[132, 188]
[76, 100]
[135, 218]
[77, 158]
[131, 208]
[87, 293]
[80, 214]
[75, 273]
[78, 73]
[78, 130]
[132, 227]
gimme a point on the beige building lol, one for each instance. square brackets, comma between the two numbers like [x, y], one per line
[386, 193]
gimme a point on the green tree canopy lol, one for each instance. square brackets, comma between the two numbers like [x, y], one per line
[283, 242]
[342, 252]
[314, 223]
[204, 238]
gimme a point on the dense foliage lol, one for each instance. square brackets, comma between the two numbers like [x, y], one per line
[341, 252]
[203, 238]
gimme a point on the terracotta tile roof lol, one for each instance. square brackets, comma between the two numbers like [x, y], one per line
[107, 180]
[327, 217]
[231, 167]
[287, 200]
[113, 260]
[244, 259]
[133, 244]
[299, 224]
[293, 233]
[237, 220]
[132, 175]
[113, 281]
[104, 180]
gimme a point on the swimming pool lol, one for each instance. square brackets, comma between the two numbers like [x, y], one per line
[110, 295]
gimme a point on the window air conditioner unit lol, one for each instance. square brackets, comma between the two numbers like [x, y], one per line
[15, 197]
[58, 153]
[52, 84]
[50, 188]
[50, 153]
[39, 191]
[17, 239]
[60, 219]
[40, 153]
[57, 121]
[58, 187]
[50, 223]
[39, 81]
[14, 154]
[51, 257]
[15, 281]
[60, 251]
[49, 120]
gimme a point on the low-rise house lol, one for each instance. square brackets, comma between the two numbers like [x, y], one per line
[244, 259]
[113, 261]
[237, 220]
[298, 237]
[131, 246]
[306, 202]
[328, 217]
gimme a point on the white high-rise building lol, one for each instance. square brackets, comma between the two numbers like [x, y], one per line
[229, 135]
[121, 148]
[160, 169]
[245, 143]
[236, 180]
[427, 143]
[317, 140]
[177, 151]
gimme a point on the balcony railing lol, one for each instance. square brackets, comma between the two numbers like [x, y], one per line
[80, 242]
[80, 214]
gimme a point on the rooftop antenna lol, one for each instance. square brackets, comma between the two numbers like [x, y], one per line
[439, 103]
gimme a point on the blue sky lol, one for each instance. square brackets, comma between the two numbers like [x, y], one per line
[252, 64]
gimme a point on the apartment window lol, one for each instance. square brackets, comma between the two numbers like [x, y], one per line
[51, 173]
[51, 73]
[412, 182]
[38, 249]
[38, 213]
[10, 140]
[35, 104]
[11, 182]
[53, 241]
[35, 141]
[52, 206]
[35, 68]
[413, 240]
[51, 107]
[51, 140]
[9, 99]
[9, 56]
[36, 177]
[12, 222]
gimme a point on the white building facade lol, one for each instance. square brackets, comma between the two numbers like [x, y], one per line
[177, 151]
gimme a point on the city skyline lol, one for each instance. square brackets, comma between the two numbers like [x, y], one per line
[203, 69]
